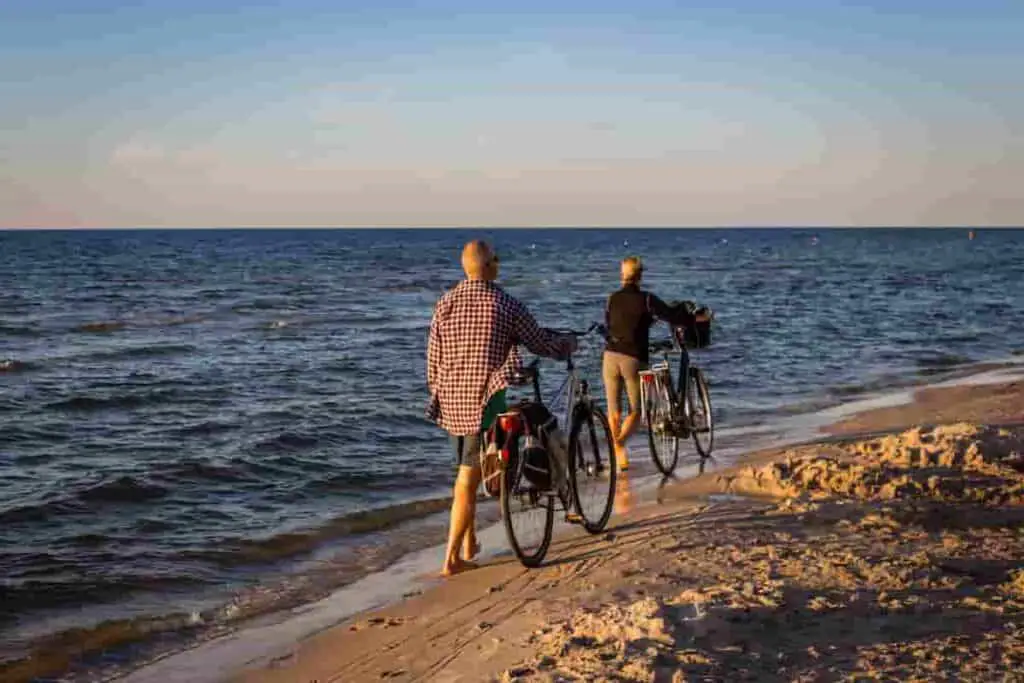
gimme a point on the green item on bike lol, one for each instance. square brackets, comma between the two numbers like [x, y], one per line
[495, 407]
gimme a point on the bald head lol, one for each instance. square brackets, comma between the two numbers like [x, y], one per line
[479, 261]
[632, 269]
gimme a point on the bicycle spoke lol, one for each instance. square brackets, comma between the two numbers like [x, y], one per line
[528, 516]
[593, 468]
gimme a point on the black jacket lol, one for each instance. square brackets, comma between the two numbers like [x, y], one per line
[629, 315]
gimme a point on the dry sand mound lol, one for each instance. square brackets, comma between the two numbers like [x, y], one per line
[959, 462]
[896, 558]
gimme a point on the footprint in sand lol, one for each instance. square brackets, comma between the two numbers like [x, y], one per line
[383, 622]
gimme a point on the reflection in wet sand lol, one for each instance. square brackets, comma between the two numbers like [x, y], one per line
[623, 494]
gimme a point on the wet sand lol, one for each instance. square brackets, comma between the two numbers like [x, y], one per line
[895, 555]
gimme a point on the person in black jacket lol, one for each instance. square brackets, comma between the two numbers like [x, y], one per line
[628, 316]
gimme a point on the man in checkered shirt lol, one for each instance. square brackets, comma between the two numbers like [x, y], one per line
[472, 355]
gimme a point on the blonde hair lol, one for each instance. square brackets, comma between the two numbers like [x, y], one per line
[632, 269]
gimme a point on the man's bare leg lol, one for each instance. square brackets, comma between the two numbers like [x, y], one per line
[463, 507]
[470, 544]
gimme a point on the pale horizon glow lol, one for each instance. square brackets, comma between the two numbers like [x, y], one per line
[362, 114]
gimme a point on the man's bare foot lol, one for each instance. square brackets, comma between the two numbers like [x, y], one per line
[457, 567]
[470, 550]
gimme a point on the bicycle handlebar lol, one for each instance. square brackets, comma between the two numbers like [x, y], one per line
[528, 372]
[662, 346]
[576, 333]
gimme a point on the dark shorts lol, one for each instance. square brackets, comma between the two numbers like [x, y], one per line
[467, 450]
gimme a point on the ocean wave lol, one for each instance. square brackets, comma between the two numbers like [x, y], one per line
[200, 470]
[294, 543]
[13, 365]
[13, 433]
[182, 320]
[101, 326]
[942, 360]
[940, 363]
[124, 489]
[342, 366]
[286, 442]
[206, 428]
[141, 351]
[846, 391]
[38, 512]
[263, 304]
[97, 403]
[12, 330]
[58, 653]
[360, 482]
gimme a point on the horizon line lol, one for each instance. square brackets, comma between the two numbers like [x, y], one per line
[507, 227]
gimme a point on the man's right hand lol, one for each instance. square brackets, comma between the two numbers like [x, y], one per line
[570, 344]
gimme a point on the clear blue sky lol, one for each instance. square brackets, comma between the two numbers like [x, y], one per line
[532, 113]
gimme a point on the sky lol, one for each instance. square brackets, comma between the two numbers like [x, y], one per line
[465, 113]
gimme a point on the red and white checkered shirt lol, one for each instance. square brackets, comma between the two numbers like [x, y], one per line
[472, 351]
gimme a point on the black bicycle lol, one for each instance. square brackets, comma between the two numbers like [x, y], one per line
[540, 465]
[678, 411]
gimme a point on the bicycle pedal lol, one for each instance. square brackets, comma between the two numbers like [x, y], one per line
[573, 518]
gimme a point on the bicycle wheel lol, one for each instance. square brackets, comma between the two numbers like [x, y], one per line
[592, 467]
[700, 416]
[528, 513]
[660, 426]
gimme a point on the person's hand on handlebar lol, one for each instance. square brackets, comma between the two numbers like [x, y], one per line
[569, 344]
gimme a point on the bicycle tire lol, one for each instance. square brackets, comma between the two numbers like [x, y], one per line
[579, 461]
[510, 477]
[659, 406]
[704, 395]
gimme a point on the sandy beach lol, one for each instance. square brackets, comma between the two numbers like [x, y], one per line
[891, 550]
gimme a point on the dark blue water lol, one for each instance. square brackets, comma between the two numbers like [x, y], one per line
[182, 414]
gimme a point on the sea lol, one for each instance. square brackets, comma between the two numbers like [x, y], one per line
[199, 428]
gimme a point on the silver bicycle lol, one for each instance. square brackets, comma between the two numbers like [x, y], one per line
[579, 471]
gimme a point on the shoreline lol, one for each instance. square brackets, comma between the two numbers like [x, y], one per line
[686, 495]
[240, 643]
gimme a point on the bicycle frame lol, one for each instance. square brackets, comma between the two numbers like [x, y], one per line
[677, 394]
[575, 390]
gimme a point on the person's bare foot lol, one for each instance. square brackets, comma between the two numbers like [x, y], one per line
[622, 456]
[457, 567]
[470, 550]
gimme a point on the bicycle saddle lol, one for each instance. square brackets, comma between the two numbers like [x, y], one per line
[661, 346]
